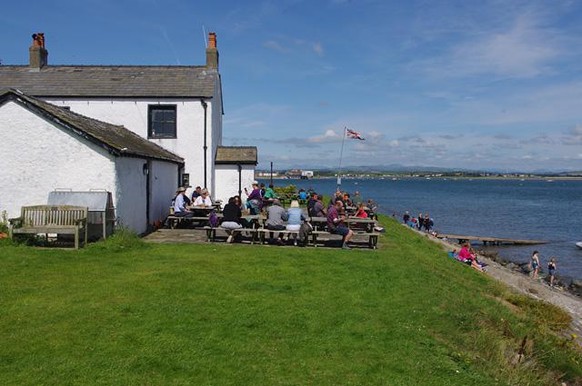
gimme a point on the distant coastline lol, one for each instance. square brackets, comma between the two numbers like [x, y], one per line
[388, 177]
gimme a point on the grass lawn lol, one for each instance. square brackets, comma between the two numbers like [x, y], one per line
[123, 312]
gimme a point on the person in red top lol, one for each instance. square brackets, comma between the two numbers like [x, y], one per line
[361, 212]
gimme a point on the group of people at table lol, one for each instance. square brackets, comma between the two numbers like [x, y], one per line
[264, 201]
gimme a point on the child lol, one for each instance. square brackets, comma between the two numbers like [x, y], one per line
[552, 270]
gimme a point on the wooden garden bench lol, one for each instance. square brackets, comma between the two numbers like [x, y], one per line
[59, 219]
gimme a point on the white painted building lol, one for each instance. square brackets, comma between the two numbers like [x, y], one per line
[45, 147]
[176, 107]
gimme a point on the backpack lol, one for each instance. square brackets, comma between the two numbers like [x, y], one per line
[213, 219]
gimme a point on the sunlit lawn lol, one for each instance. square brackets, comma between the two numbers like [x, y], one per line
[122, 312]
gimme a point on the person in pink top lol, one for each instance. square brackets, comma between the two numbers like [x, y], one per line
[467, 255]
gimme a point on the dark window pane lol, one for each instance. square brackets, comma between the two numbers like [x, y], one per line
[162, 121]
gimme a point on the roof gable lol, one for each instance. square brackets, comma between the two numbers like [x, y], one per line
[236, 155]
[118, 140]
[112, 81]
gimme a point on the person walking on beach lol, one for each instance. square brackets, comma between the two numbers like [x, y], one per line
[535, 264]
[420, 223]
[552, 270]
[428, 223]
[406, 218]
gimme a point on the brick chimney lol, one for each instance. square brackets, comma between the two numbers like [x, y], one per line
[38, 54]
[212, 52]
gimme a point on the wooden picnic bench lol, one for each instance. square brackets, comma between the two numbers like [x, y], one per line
[58, 219]
[372, 237]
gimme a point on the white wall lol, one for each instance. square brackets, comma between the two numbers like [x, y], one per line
[228, 177]
[130, 195]
[163, 184]
[190, 127]
[38, 157]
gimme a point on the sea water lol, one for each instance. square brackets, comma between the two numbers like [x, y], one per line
[506, 208]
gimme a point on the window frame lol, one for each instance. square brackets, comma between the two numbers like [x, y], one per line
[164, 135]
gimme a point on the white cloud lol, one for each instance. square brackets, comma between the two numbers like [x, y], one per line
[524, 49]
[328, 136]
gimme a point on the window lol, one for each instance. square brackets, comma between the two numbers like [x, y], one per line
[162, 121]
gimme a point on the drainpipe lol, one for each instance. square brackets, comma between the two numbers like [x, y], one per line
[205, 147]
[239, 180]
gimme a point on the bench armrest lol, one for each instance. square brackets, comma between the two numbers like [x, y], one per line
[16, 222]
[81, 222]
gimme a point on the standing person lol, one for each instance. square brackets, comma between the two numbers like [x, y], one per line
[335, 223]
[357, 198]
[535, 264]
[552, 266]
[420, 222]
[428, 223]
[406, 218]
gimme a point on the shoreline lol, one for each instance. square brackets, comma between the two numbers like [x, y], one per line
[423, 177]
[537, 289]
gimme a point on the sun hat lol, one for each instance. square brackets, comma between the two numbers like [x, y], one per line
[294, 204]
[255, 182]
[181, 189]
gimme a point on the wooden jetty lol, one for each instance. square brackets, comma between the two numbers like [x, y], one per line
[490, 240]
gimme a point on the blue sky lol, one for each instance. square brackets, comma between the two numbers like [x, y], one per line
[489, 84]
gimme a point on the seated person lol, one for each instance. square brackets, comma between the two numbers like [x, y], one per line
[255, 199]
[204, 199]
[361, 211]
[180, 209]
[276, 217]
[467, 256]
[310, 203]
[231, 218]
[196, 193]
[318, 208]
[335, 223]
[295, 218]
[347, 200]
[269, 195]
[302, 195]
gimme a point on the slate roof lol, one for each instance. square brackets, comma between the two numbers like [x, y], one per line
[112, 81]
[236, 155]
[118, 140]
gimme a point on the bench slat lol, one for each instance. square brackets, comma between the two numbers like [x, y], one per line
[59, 219]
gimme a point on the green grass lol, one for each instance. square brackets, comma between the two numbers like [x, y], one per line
[125, 312]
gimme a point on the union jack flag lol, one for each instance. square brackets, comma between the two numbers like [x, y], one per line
[354, 134]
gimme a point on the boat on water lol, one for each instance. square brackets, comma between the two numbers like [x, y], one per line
[579, 244]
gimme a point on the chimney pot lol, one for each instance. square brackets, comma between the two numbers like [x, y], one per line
[37, 53]
[212, 52]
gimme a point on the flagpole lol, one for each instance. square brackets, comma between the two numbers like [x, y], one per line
[339, 169]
